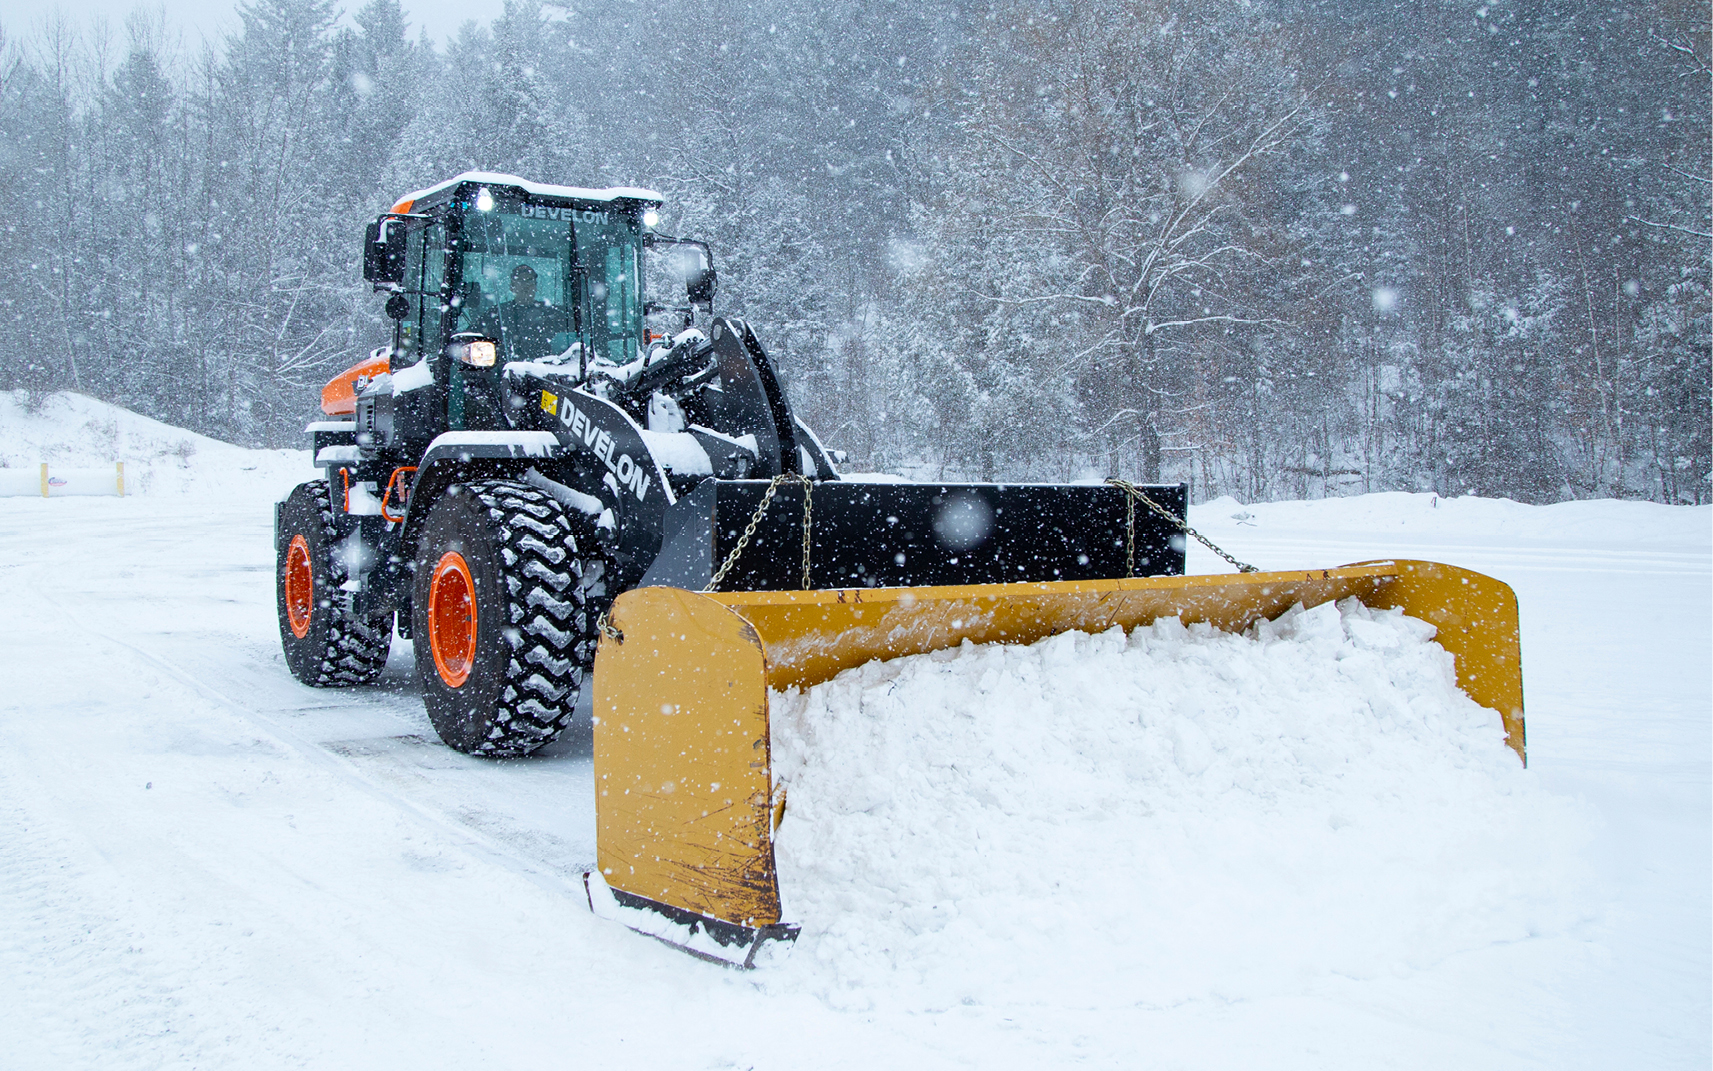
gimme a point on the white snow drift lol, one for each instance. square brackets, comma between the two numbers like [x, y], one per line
[73, 431]
[1153, 818]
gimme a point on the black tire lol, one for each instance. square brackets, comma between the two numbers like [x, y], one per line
[331, 647]
[540, 586]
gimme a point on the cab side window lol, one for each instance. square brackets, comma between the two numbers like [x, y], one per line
[424, 281]
[607, 248]
[434, 305]
[410, 328]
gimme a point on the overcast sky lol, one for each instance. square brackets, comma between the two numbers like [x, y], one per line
[196, 19]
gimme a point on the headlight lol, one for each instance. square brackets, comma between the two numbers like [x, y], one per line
[650, 218]
[479, 354]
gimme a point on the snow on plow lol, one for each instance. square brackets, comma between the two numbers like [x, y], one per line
[686, 800]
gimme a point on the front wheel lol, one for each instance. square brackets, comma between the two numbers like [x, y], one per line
[327, 645]
[507, 591]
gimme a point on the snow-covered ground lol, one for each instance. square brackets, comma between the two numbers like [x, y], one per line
[75, 431]
[1288, 850]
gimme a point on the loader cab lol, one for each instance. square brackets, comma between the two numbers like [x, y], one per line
[546, 273]
[548, 281]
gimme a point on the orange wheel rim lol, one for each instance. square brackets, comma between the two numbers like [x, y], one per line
[452, 618]
[299, 586]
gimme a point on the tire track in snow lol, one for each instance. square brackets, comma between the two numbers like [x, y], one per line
[58, 941]
[469, 828]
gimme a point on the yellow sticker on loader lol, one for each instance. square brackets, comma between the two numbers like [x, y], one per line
[549, 402]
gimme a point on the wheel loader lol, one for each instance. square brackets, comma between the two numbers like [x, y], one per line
[566, 469]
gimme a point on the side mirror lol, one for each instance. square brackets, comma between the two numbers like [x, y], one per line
[383, 252]
[398, 307]
[699, 285]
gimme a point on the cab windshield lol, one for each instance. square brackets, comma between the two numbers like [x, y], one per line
[538, 285]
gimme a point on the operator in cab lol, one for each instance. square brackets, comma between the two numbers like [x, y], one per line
[523, 326]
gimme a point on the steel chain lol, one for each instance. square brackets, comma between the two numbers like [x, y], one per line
[608, 629]
[1132, 494]
[760, 511]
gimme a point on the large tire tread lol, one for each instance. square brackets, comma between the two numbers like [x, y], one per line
[554, 589]
[353, 649]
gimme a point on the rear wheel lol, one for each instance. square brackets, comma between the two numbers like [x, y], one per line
[508, 588]
[326, 645]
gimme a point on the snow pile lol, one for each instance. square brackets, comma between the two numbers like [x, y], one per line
[69, 430]
[1494, 522]
[1171, 815]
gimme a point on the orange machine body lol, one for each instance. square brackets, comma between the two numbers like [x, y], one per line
[339, 397]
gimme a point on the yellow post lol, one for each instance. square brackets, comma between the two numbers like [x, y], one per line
[121, 467]
[44, 479]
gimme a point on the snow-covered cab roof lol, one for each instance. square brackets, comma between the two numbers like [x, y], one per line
[445, 190]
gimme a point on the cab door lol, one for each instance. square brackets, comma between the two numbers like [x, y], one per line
[422, 332]
[609, 246]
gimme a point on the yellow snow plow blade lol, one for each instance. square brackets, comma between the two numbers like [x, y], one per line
[685, 807]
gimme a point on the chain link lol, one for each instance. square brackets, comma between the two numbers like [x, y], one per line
[1134, 493]
[608, 629]
[760, 511]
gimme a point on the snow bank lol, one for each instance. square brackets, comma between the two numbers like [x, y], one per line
[1466, 518]
[75, 431]
[1172, 815]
